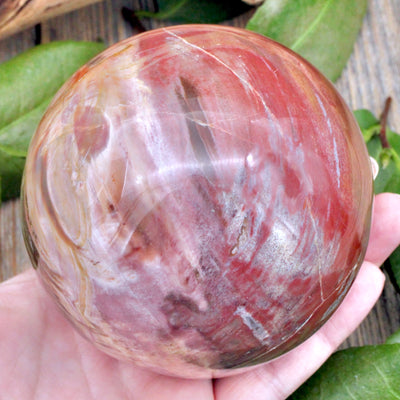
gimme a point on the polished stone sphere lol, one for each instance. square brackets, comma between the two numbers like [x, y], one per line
[197, 199]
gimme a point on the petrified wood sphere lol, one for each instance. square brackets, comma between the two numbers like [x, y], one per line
[197, 199]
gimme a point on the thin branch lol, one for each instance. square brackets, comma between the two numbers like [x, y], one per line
[384, 117]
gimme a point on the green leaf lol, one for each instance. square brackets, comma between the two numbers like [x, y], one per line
[388, 179]
[394, 140]
[12, 168]
[28, 82]
[18, 133]
[322, 31]
[395, 338]
[365, 119]
[369, 372]
[368, 123]
[196, 11]
[394, 271]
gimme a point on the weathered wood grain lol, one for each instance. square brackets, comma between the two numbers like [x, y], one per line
[18, 15]
[372, 74]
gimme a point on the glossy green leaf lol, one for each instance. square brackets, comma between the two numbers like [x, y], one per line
[196, 11]
[369, 372]
[322, 31]
[14, 141]
[27, 84]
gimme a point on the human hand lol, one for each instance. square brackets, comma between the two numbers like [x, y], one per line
[43, 357]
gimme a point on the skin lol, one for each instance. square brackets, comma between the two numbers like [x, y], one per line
[42, 357]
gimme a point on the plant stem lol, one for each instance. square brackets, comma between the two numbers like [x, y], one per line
[384, 117]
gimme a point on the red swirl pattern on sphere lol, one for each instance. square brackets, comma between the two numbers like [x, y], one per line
[197, 199]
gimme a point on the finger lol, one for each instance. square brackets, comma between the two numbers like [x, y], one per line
[279, 378]
[385, 229]
[40, 351]
[45, 352]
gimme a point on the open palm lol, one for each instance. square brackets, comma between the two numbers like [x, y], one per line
[42, 356]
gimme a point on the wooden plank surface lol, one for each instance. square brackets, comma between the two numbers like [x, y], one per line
[372, 74]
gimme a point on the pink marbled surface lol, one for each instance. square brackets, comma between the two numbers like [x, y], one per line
[197, 199]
